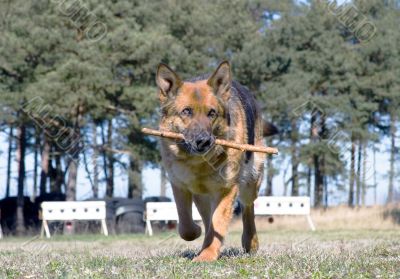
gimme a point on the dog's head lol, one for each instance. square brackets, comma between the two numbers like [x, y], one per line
[195, 108]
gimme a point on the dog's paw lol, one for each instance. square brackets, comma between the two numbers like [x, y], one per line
[190, 233]
[250, 244]
[206, 255]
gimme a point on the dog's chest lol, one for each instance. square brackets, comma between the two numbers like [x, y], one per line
[200, 179]
[199, 174]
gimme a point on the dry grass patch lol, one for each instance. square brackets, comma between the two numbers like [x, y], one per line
[336, 218]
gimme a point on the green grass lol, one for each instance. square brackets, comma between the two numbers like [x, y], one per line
[283, 254]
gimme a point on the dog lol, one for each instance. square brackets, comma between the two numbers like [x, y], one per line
[202, 109]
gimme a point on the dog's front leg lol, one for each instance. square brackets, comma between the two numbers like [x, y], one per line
[249, 236]
[222, 205]
[188, 230]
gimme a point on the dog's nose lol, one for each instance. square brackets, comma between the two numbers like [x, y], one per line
[203, 142]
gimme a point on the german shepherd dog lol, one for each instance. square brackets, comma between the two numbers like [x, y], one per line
[203, 109]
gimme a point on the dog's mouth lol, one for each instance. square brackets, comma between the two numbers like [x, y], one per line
[198, 145]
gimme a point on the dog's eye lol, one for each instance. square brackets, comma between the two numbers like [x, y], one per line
[187, 112]
[212, 113]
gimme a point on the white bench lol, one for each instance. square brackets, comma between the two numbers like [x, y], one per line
[284, 206]
[73, 210]
[164, 211]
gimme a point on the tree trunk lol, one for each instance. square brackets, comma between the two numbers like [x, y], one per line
[285, 181]
[52, 171]
[323, 179]
[104, 153]
[110, 159]
[163, 182]
[318, 181]
[318, 167]
[9, 159]
[21, 178]
[375, 178]
[270, 176]
[95, 155]
[392, 157]
[72, 178]
[45, 166]
[352, 171]
[326, 195]
[74, 158]
[313, 133]
[135, 187]
[310, 160]
[358, 174]
[295, 159]
[270, 172]
[309, 174]
[59, 172]
[56, 173]
[35, 163]
[364, 176]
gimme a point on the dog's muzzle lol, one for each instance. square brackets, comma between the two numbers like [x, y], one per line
[201, 143]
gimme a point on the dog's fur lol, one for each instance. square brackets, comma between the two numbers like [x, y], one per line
[205, 108]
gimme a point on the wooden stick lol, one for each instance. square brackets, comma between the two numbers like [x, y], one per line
[243, 147]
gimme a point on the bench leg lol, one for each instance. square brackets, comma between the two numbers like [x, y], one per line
[310, 223]
[46, 228]
[104, 227]
[149, 229]
[42, 230]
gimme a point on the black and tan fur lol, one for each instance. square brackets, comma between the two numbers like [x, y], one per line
[203, 109]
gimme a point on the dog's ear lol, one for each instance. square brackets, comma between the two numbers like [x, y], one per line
[221, 80]
[167, 80]
[269, 129]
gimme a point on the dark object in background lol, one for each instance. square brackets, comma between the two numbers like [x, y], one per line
[156, 199]
[129, 216]
[49, 197]
[122, 216]
[8, 208]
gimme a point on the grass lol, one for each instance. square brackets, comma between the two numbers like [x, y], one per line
[358, 243]
[357, 253]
